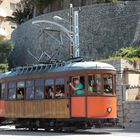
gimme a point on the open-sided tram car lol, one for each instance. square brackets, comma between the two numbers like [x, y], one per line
[32, 101]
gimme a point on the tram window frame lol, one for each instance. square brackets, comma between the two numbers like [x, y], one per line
[96, 88]
[60, 83]
[12, 87]
[49, 85]
[82, 80]
[39, 84]
[29, 85]
[20, 90]
[3, 91]
[109, 86]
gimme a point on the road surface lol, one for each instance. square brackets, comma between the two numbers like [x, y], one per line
[9, 133]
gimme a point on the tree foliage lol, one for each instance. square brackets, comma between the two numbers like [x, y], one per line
[23, 12]
[130, 52]
[5, 49]
[41, 4]
[106, 1]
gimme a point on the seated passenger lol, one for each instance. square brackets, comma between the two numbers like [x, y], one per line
[51, 92]
[95, 86]
[20, 95]
[77, 87]
[59, 94]
[107, 88]
[90, 88]
[137, 96]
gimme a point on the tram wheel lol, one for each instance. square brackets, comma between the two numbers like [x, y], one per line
[30, 129]
[47, 129]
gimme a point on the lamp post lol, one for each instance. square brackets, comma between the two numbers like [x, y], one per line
[74, 32]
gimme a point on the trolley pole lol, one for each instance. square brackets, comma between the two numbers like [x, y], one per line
[71, 33]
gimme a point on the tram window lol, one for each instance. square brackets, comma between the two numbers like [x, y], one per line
[49, 85]
[3, 91]
[78, 85]
[59, 88]
[39, 89]
[108, 83]
[94, 83]
[30, 89]
[12, 91]
[20, 90]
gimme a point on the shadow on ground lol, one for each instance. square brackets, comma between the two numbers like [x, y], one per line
[23, 132]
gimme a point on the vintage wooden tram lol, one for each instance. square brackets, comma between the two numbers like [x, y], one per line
[41, 96]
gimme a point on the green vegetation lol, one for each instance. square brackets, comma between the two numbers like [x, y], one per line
[106, 1]
[5, 49]
[40, 5]
[23, 13]
[131, 52]
[3, 68]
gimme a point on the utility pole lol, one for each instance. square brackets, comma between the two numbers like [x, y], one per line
[76, 35]
[71, 32]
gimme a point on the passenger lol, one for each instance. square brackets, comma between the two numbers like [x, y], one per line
[95, 86]
[77, 87]
[107, 87]
[51, 93]
[20, 95]
[137, 96]
[90, 88]
[59, 92]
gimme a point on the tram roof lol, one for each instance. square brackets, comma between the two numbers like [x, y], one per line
[60, 67]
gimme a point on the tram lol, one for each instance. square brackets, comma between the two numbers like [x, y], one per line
[61, 96]
[2, 104]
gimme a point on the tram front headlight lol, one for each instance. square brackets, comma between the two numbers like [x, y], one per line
[109, 109]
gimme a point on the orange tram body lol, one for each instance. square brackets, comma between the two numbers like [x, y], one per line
[48, 97]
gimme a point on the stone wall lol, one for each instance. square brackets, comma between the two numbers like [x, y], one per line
[104, 28]
[132, 114]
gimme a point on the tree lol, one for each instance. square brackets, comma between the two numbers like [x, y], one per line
[23, 13]
[106, 1]
[5, 49]
[130, 52]
[40, 5]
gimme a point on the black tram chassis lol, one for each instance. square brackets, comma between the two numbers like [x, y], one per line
[75, 123]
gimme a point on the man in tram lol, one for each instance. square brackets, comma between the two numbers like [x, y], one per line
[107, 88]
[77, 87]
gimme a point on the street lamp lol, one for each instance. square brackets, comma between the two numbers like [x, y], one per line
[58, 18]
[73, 33]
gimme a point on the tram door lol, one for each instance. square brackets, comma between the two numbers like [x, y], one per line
[78, 100]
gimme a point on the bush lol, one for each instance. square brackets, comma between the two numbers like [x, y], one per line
[3, 68]
[106, 1]
[5, 49]
[131, 52]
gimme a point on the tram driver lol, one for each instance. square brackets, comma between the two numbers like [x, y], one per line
[77, 87]
[107, 88]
